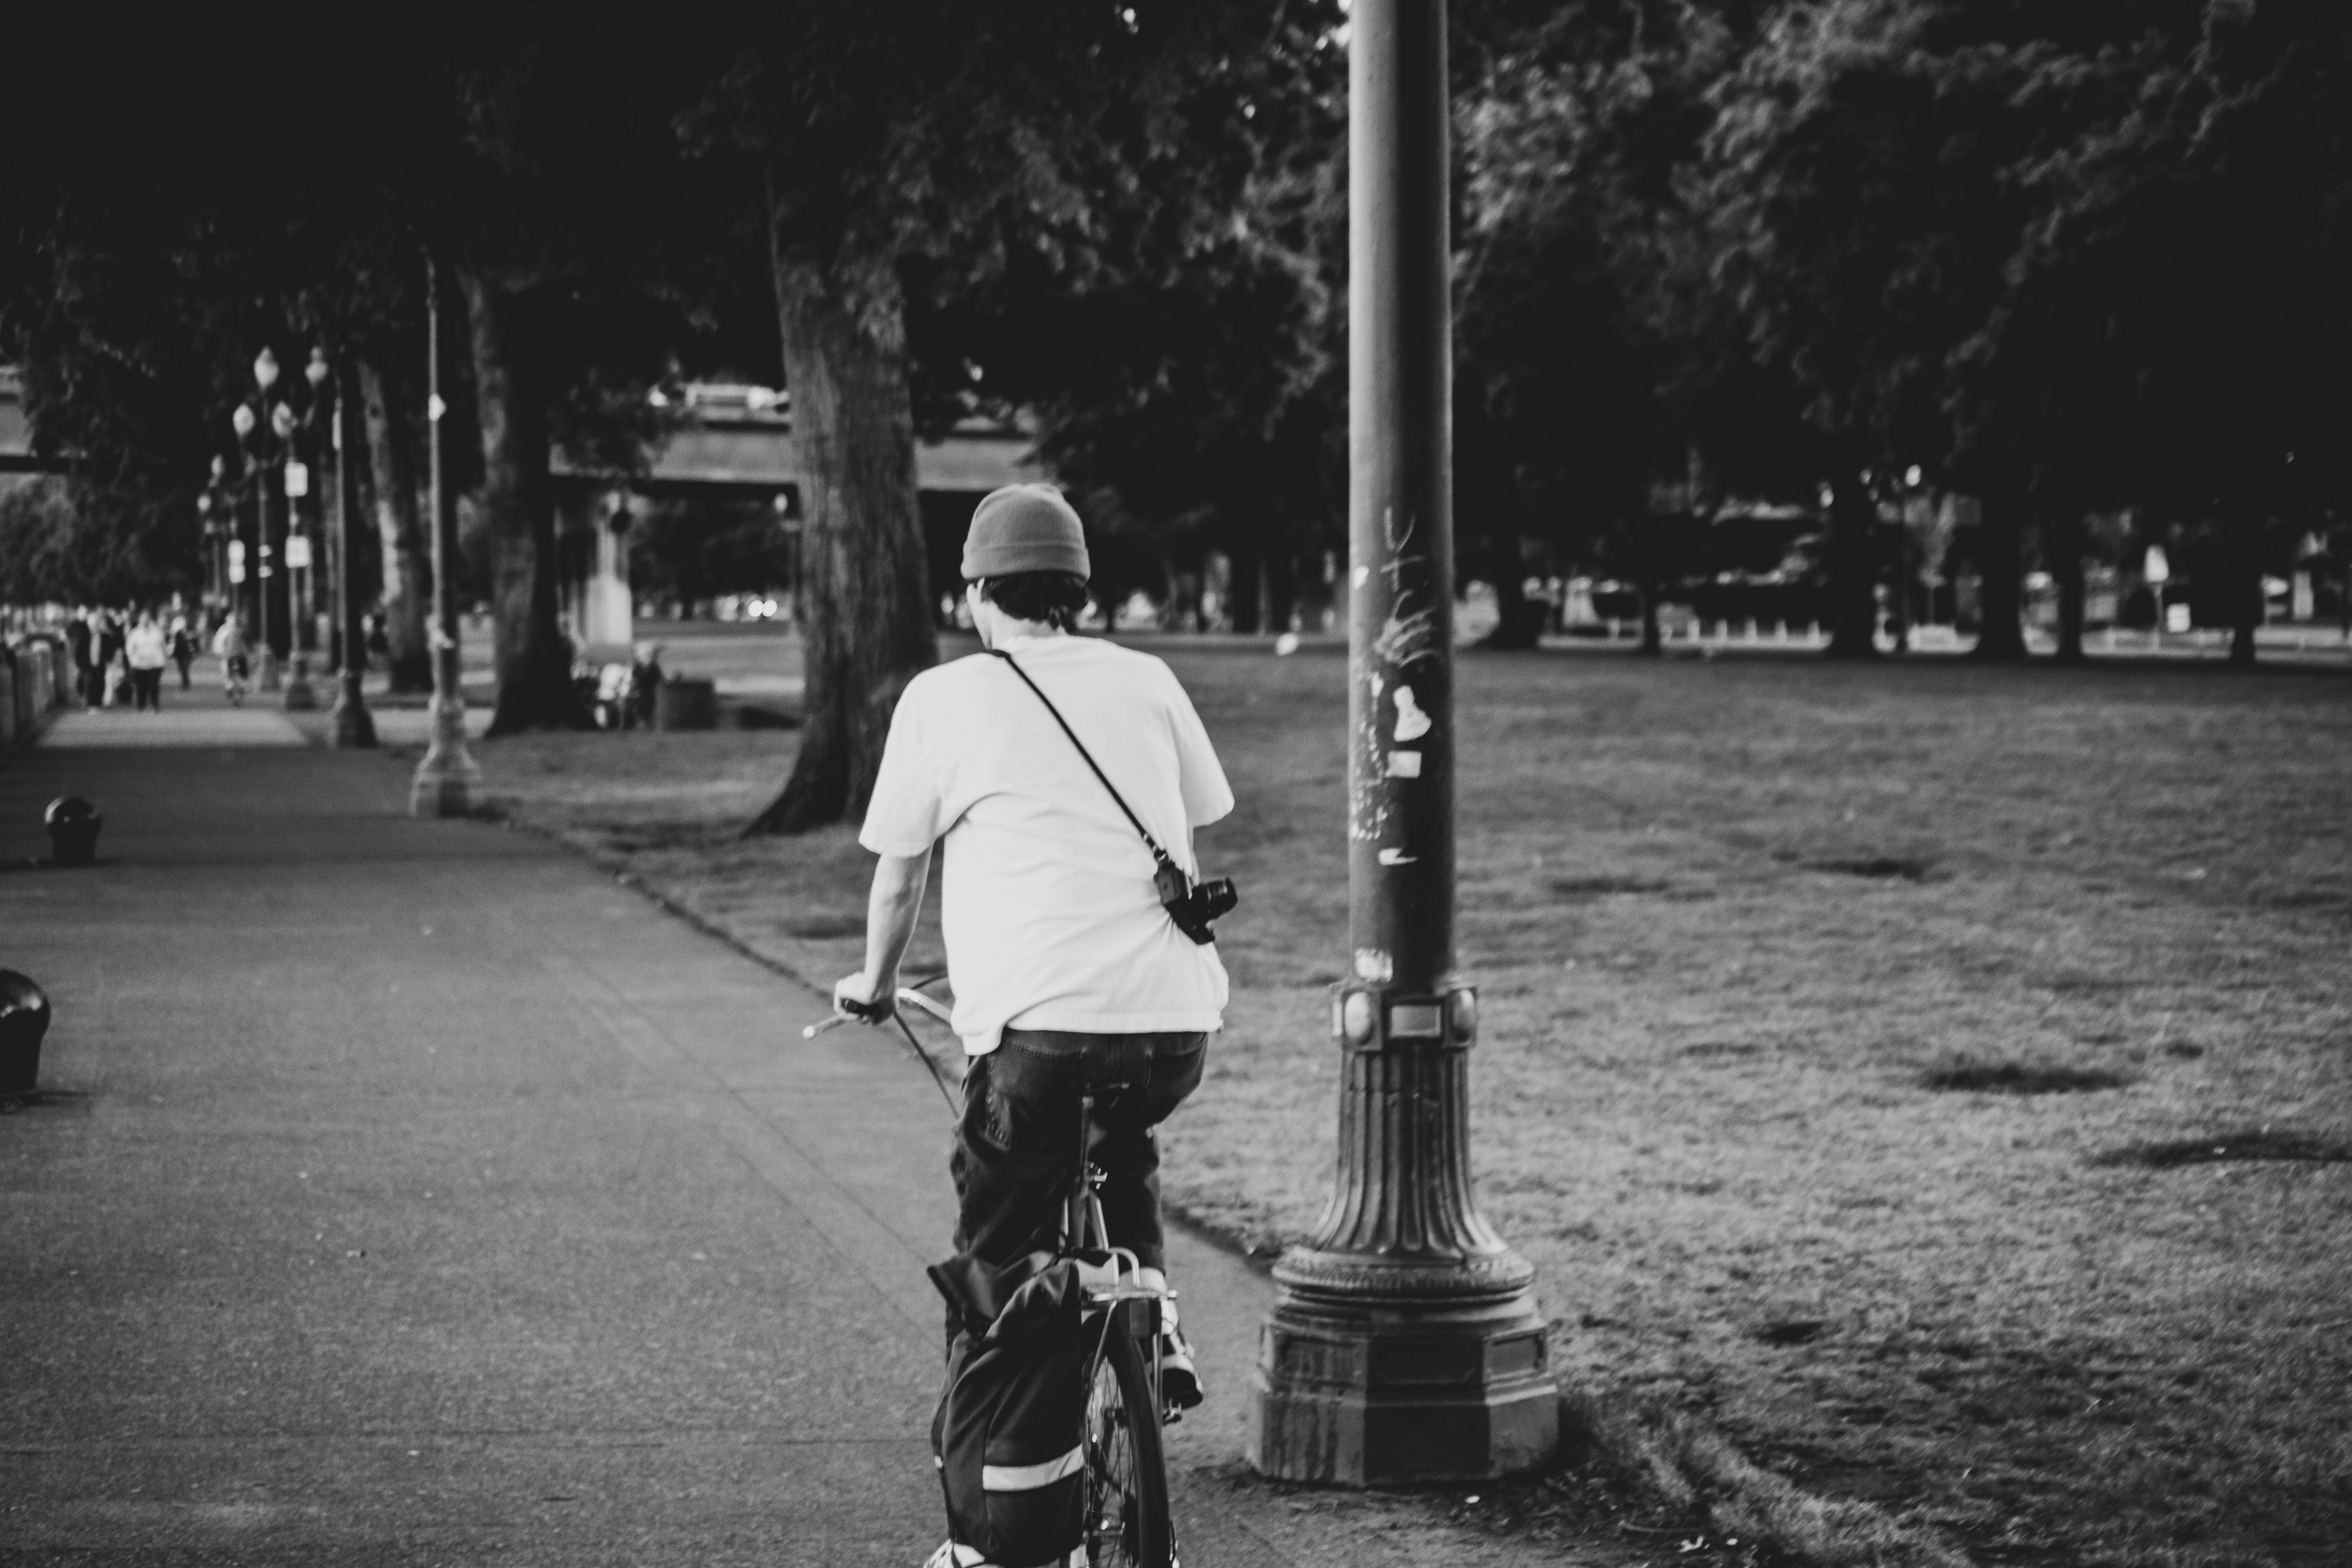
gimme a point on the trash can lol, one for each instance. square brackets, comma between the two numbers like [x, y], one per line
[73, 823]
[686, 704]
[24, 1019]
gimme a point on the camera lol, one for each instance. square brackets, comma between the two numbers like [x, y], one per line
[1192, 905]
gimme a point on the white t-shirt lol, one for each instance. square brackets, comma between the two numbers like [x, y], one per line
[1048, 904]
[146, 647]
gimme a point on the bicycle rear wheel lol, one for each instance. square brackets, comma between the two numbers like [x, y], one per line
[1127, 1476]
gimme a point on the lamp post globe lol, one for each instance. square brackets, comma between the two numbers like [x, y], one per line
[240, 420]
[265, 369]
[317, 370]
[281, 422]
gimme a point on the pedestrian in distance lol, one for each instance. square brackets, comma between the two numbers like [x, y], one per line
[78, 640]
[228, 647]
[644, 686]
[1069, 971]
[183, 647]
[146, 650]
[108, 687]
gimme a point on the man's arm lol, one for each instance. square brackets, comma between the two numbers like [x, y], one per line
[892, 908]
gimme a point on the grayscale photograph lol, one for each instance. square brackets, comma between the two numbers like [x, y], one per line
[1177, 783]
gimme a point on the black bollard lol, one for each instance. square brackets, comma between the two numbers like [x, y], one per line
[73, 823]
[24, 1019]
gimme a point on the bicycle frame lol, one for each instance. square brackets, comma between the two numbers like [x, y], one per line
[1116, 1302]
[1083, 1229]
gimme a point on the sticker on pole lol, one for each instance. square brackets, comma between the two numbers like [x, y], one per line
[297, 481]
[298, 553]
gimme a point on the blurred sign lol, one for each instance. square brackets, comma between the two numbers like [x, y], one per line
[2175, 618]
[2158, 570]
[236, 559]
[298, 553]
[297, 482]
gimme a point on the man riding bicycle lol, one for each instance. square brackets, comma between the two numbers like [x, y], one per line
[1068, 971]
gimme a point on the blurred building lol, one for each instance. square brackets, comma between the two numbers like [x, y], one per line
[728, 440]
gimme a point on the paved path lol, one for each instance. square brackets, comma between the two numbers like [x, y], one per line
[410, 1193]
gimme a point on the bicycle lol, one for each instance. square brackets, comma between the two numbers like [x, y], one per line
[1124, 1494]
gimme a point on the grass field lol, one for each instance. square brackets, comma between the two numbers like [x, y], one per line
[1933, 1078]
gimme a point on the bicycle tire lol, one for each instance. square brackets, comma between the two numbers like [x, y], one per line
[1126, 1490]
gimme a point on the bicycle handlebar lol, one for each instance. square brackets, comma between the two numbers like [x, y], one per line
[903, 997]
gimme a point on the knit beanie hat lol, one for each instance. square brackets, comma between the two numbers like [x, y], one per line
[1025, 528]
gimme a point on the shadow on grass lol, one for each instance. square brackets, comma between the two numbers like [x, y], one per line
[2247, 1144]
[1879, 868]
[2021, 1078]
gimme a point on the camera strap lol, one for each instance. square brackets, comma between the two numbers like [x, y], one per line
[1158, 854]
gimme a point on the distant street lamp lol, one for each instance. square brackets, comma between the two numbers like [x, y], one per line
[216, 513]
[315, 421]
[296, 480]
[246, 424]
[353, 726]
[447, 779]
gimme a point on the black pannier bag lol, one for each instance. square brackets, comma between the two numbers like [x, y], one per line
[1009, 1433]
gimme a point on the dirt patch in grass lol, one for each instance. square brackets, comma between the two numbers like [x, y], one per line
[1702, 1099]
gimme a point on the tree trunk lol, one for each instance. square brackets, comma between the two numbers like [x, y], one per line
[1653, 638]
[533, 662]
[2000, 566]
[1853, 575]
[869, 628]
[1245, 582]
[1518, 623]
[407, 562]
[2245, 567]
[2066, 564]
[1281, 589]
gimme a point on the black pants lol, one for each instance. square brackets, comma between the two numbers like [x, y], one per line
[147, 687]
[1016, 1148]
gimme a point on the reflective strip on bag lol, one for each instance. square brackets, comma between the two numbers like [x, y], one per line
[1029, 1477]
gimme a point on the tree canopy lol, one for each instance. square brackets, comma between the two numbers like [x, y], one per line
[2059, 258]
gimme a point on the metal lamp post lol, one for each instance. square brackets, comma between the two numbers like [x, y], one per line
[253, 567]
[1405, 1344]
[220, 527]
[264, 376]
[446, 779]
[315, 415]
[213, 513]
[355, 726]
[295, 479]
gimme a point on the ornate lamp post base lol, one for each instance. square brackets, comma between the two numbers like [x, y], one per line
[265, 675]
[1406, 1345]
[300, 697]
[354, 726]
[1366, 1387]
[447, 780]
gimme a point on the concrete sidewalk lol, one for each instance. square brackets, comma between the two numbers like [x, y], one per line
[410, 1193]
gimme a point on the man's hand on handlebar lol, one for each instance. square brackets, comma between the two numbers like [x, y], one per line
[850, 1006]
[868, 998]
